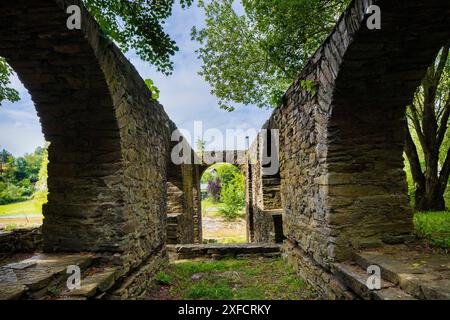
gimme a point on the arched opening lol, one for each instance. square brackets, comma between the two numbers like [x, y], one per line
[223, 204]
[23, 163]
[105, 180]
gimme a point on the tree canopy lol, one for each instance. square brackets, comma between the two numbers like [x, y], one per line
[252, 57]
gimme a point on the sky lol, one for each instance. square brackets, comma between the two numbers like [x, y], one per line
[185, 96]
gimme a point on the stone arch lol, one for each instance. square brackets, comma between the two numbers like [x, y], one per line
[183, 202]
[235, 161]
[264, 200]
[375, 76]
[109, 138]
[343, 188]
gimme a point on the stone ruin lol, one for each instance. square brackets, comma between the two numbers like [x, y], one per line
[116, 199]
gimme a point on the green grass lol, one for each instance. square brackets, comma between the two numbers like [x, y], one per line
[434, 227]
[25, 207]
[211, 209]
[235, 279]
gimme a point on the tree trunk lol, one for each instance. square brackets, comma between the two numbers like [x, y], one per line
[430, 199]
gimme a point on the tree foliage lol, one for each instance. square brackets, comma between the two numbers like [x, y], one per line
[252, 58]
[6, 93]
[41, 187]
[18, 176]
[136, 25]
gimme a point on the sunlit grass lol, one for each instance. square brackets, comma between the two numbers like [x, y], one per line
[434, 227]
[26, 207]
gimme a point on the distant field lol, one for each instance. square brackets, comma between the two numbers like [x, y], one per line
[26, 207]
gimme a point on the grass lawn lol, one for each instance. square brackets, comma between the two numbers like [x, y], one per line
[434, 227]
[25, 207]
[211, 209]
[231, 279]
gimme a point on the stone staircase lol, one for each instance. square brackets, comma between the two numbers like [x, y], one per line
[172, 228]
[407, 274]
[175, 200]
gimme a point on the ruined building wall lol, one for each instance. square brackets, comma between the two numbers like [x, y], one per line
[109, 138]
[182, 201]
[343, 187]
[264, 209]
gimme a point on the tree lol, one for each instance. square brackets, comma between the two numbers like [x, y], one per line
[428, 120]
[214, 187]
[6, 93]
[226, 172]
[136, 25]
[4, 155]
[233, 197]
[252, 58]
[41, 185]
[20, 174]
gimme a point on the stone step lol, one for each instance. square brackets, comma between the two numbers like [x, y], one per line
[353, 276]
[35, 277]
[423, 276]
[94, 283]
[188, 251]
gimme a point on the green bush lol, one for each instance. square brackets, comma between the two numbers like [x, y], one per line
[233, 197]
[434, 227]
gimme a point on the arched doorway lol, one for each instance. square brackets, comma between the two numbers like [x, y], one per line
[23, 162]
[223, 204]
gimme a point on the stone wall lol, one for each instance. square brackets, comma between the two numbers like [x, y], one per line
[20, 240]
[264, 208]
[343, 187]
[109, 139]
[183, 208]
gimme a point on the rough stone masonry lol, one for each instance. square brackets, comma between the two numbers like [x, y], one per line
[343, 187]
[109, 140]
[340, 187]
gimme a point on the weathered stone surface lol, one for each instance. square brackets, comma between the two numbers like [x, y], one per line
[11, 289]
[422, 274]
[343, 187]
[20, 240]
[110, 140]
[96, 283]
[356, 279]
[222, 250]
[32, 275]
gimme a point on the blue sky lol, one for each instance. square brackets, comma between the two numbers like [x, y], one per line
[185, 96]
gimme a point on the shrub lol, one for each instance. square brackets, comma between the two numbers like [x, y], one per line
[214, 187]
[233, 197]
